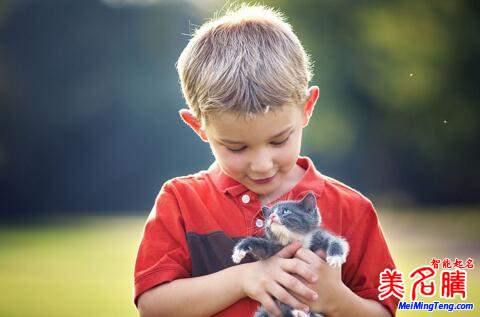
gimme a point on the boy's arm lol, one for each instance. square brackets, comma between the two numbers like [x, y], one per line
[198, 296]
[207, 295]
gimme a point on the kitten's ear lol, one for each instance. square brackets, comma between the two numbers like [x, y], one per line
[266, 211]
[309, 201]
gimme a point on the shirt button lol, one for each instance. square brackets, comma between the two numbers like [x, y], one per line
[245, 199]
[259, 223]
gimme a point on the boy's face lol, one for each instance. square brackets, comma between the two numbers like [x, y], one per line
[258, 152]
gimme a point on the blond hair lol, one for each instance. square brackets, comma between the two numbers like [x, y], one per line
[247, 61]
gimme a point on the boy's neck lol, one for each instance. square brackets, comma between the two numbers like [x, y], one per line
[295, 175]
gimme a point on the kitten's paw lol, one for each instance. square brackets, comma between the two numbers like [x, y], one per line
[240, 250]
[336, 260]
[238, 255]
[299, 313]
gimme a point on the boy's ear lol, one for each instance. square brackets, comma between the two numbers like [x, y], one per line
[313, 93]
[188, 117]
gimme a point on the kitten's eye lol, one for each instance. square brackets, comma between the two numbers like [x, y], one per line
[286, 212]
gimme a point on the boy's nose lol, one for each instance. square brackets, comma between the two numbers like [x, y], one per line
[262, 168]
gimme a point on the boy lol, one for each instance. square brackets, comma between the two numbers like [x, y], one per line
[245, 79]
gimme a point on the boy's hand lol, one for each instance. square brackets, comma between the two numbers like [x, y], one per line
[269, 278]
[329, 285]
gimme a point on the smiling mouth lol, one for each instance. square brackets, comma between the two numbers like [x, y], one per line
[263, 180]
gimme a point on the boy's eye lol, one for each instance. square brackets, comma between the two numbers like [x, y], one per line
[244, 147]
[237, 149]
[281, 142]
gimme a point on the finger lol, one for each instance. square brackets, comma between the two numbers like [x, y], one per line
[301, 279]
[299, 267]
[269, 304]
[285, 297]
[308, 256]
[295, 285]
[288, 251]
[321, 254]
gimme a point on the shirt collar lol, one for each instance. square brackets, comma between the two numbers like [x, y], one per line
[312, 180]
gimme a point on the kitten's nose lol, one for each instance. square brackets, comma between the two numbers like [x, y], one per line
[273, 218]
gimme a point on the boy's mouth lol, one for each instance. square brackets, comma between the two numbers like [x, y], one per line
[264, 180]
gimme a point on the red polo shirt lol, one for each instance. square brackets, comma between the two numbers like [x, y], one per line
[197, 219]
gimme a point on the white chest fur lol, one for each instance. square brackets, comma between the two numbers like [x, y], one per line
[285, 236]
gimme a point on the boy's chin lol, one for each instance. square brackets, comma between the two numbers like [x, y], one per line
[263, 189]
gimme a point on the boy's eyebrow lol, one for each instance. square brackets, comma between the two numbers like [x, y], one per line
[273, 137]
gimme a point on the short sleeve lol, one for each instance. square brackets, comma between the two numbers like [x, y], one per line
[163, 252]
[369, 256]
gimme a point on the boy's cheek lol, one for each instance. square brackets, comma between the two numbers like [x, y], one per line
[290, 155]
[231, 163]
[222, 154]
[232, 160]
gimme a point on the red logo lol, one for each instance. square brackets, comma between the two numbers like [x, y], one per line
[453, 280]
[425, 272]
[391, 283]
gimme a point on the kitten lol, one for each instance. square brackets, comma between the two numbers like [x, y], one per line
[286, 222]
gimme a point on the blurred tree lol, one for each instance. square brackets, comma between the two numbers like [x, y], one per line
[89, 97]
[398, 94]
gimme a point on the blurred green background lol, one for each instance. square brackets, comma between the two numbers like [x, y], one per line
[88, 103]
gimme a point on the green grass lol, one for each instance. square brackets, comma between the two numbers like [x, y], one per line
[85, 268]
[77, 270]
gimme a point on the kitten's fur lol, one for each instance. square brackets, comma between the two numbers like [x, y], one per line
[295, 221]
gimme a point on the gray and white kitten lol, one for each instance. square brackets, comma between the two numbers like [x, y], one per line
[286, 222]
